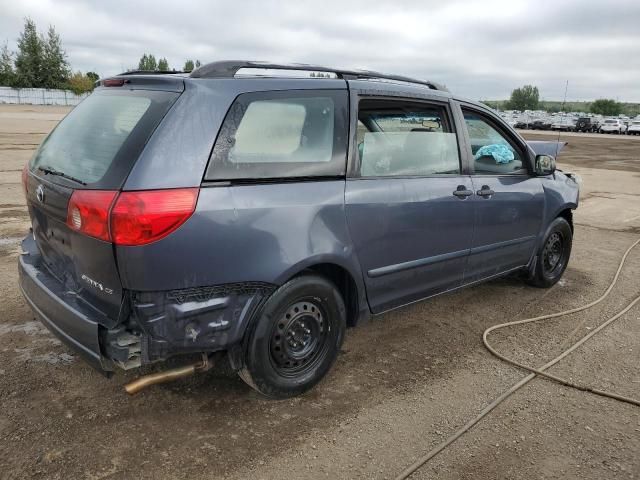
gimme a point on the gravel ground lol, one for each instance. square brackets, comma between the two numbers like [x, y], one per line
[402, 384]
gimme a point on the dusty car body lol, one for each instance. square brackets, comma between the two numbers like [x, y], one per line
[176, 225]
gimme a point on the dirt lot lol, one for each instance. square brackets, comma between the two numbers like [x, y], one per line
[403, 383]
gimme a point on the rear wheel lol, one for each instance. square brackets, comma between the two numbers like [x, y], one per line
[296, 339]
[553, 255]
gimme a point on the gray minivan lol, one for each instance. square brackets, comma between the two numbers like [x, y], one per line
[259, 209]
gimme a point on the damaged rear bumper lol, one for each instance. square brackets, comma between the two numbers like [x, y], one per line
[193, 320]
[61, 312]
[154, 325]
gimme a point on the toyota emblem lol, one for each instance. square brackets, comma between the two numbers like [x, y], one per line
[40, 193]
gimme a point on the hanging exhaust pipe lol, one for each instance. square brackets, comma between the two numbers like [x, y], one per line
[168, 375]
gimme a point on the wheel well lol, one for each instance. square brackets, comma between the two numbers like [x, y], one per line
[568, 216]
[346, 286]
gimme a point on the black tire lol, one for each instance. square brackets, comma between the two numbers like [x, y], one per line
[553, 254]
[296, 338]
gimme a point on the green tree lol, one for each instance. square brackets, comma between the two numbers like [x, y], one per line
[148, 62]
[55, 68]
[554, 108]
[79, 83]
[188, 66]
[7, 74]
[524, 98]
[604, 106]
[93, 76]
[163, 65]
[30, 57]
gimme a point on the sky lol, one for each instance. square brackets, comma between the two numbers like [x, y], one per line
[479, 49]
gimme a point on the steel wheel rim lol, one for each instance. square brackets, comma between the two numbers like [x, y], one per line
[299, 338]
[552, 254]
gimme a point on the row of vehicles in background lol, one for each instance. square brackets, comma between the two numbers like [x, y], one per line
[572, 122]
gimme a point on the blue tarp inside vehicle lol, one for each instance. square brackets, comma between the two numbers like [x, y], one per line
[500, 153]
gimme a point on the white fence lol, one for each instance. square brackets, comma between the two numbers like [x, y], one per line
[39, 96]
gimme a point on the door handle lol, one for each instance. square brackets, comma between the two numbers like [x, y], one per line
[485, 192]
[462, 192]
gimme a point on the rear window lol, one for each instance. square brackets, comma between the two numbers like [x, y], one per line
[100, 139]
[610, 121]
[282, 135]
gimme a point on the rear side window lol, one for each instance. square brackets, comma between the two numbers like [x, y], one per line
[396, 138]
[100, 139]
[282, 135]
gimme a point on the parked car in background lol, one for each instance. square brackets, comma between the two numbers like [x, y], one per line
[567, 124]
[541, 124]
[634, 128]
[259, 209]
[586, 124]
[613, 125]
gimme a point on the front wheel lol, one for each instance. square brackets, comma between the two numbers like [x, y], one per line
[553, 255]
[296, 338]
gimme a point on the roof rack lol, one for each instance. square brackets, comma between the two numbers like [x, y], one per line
[150, 72]
[230, 68]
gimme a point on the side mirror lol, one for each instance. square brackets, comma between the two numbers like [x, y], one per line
[545, 165]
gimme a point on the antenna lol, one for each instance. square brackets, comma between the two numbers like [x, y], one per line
[564, 101]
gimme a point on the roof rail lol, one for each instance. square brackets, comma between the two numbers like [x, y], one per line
[229, 69]
[150, 72]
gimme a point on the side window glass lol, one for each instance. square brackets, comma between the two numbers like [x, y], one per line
[492, 152]
[284, 130]
[281, 134]
[401, 139]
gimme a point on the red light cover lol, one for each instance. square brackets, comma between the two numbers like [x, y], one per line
[88, 212]
[138, 218]
[113, 82]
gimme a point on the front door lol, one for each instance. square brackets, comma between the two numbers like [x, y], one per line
[508, 200]
[408, 205]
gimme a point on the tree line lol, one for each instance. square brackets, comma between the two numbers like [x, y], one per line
[41, 62]
[528, 98]
[148, 63]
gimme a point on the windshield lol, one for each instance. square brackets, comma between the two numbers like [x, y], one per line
[98, 142]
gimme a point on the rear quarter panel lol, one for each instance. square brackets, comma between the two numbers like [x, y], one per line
[262, 232]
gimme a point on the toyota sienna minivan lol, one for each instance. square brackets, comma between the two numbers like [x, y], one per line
[260, 209]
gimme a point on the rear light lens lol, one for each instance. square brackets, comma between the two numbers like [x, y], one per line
[88, 212]
[130, 218]
[138, 218]
[113, 82]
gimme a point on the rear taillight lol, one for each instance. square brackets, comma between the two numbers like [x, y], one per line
[138, 218]
[130, 218]
[88, 212]
[113, 82]
[25, 179]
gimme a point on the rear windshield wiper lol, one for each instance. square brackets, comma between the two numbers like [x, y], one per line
[52, 171]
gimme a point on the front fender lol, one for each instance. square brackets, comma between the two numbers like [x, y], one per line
[562, 192]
